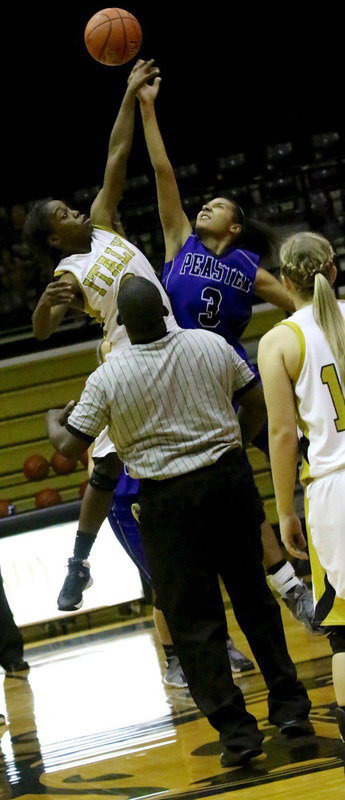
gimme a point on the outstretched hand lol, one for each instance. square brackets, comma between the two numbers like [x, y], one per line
[148, 92]
[142, 72]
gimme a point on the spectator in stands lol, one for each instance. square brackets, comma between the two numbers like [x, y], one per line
[13, 295]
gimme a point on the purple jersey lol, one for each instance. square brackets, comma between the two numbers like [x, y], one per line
[212, 292]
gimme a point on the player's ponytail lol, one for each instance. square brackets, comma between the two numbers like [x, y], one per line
[261, 239]
[307, 259]
[256, 236]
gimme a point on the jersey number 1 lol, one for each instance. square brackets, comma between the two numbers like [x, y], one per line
[330, 377]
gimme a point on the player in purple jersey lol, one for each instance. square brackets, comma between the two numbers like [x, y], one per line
[211, 276]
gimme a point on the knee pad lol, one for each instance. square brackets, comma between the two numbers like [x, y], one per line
[337, 638]
[105, 474]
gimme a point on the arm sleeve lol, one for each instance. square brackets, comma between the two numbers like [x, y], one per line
[92, 413]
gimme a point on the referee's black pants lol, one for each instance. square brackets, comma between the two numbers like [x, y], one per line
[11, 640]
[195, 527]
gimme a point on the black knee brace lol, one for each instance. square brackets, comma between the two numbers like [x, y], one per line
[337, 638]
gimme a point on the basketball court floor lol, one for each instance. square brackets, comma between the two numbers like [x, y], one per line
[93, 719]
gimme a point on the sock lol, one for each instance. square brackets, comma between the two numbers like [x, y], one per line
[283, 578]
[83, 544]
[169, 651]
[276, 567]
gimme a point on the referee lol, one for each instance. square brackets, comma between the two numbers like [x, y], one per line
[167, 399]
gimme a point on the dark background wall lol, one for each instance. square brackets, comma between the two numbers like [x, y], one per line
[234, 77]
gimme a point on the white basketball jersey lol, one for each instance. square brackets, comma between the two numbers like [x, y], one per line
[320, 398]
[99, 274]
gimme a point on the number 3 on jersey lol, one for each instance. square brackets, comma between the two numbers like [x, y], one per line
[213, 298]
[330, 377]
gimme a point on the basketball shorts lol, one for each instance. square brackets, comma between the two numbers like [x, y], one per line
[124, 524]
[325, 523]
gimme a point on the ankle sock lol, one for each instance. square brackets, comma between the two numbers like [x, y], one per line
[282, 577]
[83, 544]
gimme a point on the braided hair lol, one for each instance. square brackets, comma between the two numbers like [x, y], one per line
[306, 259]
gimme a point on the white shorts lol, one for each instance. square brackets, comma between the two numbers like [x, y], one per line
[326, 522]
[103, 445]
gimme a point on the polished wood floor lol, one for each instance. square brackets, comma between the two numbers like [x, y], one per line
[94, 720]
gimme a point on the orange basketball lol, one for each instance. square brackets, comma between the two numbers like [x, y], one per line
[113, 36]
[47, 497]
[36, 468]
[63, 465]
[4, 508]
[84, 459]
[82, 488]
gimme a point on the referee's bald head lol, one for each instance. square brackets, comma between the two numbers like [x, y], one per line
[140, 307]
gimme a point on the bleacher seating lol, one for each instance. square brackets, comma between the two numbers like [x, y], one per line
[28, 388]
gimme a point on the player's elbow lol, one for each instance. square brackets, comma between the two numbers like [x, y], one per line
[282, 434]
[70, 446]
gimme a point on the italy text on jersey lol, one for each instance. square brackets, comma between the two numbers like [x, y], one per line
[113, 265]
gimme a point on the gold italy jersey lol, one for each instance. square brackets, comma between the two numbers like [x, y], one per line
[99, 274]
[320, 402]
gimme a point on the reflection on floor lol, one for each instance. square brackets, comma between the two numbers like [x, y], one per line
[94, 720]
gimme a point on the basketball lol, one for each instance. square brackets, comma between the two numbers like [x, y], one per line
[113, 36]
[84, 459]
[36, 468]
[63, 465]
[4, 508]
[47, 497]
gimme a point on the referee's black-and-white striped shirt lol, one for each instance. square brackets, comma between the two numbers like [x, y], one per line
[167, 403]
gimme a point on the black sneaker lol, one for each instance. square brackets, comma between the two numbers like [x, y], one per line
[293, 728]
[229, 758]
[77, 580]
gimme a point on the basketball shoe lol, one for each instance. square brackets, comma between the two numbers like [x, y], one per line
[174, 675]
[78, 579]
[299, 601]
[238, 661]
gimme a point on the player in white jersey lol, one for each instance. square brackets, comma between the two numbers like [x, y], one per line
[95, 258]
[302, 366]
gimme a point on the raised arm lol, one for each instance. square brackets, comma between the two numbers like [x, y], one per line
[175, 223]
[104, 206]
[268, 288]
